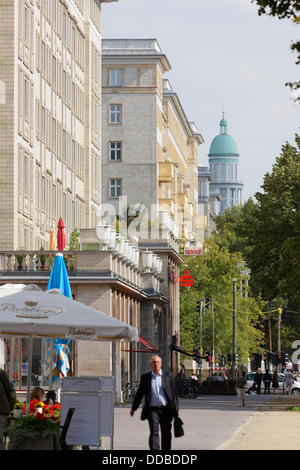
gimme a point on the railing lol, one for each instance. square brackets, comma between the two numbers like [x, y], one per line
[34, 260]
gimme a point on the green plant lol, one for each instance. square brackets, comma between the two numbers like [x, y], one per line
[74, 239]
[20, 260]
[43, 257]
[19, 405]
[50, 261]
[32, 427]
[74, 245]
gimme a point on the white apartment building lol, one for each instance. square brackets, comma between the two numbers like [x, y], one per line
[50, 120]
[149, 147]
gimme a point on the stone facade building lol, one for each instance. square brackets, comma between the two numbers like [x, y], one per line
[50, 118]
[149, 148]
[51, 164]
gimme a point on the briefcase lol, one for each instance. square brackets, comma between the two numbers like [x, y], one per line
[145, 413]
[178, 429]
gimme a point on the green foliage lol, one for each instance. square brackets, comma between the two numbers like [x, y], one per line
[74, 240]
[283, 9]
[30, 427]
[267, 233]
[212, 274]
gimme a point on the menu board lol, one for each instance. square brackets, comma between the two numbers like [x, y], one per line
[84, 427]
[93, 401]
[81, 384]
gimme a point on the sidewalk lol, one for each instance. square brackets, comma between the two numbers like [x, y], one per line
[272, 429]
[268, 426]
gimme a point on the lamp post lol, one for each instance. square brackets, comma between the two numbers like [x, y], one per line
[234, 324]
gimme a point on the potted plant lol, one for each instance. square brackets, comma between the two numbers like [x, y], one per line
[74, 245]
[20, 262]
[43, 259]
[50, 261]
[18, 409]
[39, 406]
[34, 432]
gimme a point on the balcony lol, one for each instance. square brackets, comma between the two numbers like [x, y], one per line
[166, 172]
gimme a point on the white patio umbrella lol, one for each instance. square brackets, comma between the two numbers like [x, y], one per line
[28, 311]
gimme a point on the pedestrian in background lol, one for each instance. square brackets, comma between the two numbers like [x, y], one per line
[7, 402]
[241, 385]
[161, 404]
[275, 383]
[267, 381]
[257, 380]
[289, 380]
[182, 372]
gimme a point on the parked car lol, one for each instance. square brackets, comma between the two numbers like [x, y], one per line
[282, 385]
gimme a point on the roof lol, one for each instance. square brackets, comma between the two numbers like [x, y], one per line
[223, 144]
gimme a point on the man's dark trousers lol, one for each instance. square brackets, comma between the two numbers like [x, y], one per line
[160, 417]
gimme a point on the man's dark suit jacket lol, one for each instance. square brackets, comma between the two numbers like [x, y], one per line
[168, 384]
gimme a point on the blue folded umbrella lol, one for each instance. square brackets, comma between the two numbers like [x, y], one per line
[59, 280]
[59, 276]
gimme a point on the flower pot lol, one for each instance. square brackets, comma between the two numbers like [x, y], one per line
[42, 443]
[17, 413]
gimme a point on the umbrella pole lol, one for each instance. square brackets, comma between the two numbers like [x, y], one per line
[29, 373]
[51, 364]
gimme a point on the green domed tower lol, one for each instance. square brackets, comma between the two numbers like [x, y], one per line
[223, 162]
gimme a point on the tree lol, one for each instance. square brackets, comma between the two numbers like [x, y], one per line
[283, 9]
[267, 232]
[212, 274]
[273, 229]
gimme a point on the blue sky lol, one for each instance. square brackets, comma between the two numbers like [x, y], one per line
[223, 55]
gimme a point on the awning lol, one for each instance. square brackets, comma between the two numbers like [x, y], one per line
[151, 348]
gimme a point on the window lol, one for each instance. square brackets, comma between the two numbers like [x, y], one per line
[43, 127]
[64, 146]
[27, 27]
[115, 113]
[54, 72]
[26, 175]
[54, 135]
[115, 151]
[115, 189]
[223, 172]
[115, 77]
[26, 99]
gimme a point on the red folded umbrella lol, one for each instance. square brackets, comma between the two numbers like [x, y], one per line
[61, 238]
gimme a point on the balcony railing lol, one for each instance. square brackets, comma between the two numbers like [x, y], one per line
[34, 260]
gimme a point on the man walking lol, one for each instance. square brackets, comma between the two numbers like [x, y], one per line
[289, 380]
[161, 404]
[267, 381]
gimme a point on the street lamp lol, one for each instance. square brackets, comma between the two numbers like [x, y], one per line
[234, 323]
[103, 234]
[147, 260]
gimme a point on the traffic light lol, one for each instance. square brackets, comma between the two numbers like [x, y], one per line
[284, 315]
[207, 302]
[208, 357]
[286, 358]
[274, 358]
[196, 355]
[271, 305]
[222, 360]
[235, 358]
[198, 303]
[229, 357]
[279, 358]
